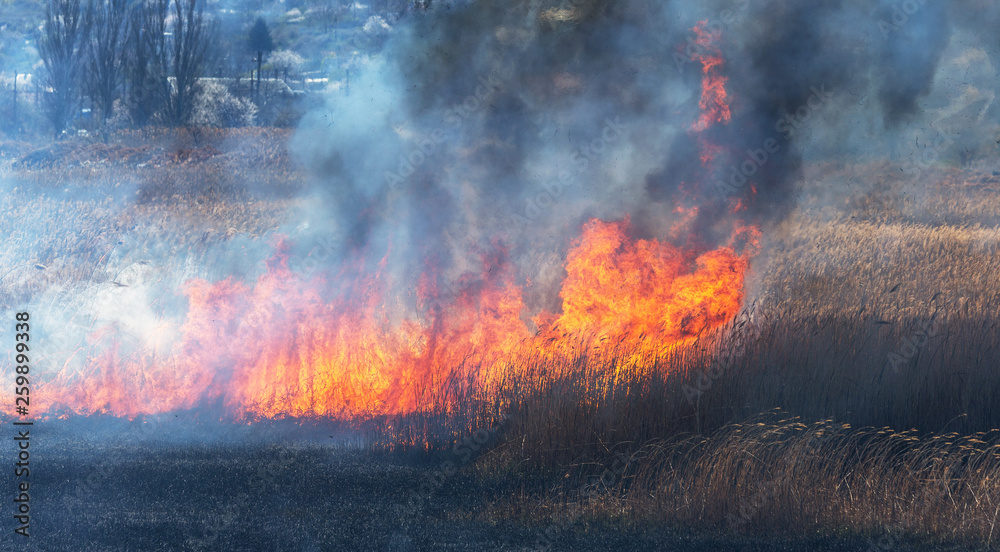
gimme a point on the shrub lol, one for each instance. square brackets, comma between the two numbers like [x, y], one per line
[215, 106]
[285, 62]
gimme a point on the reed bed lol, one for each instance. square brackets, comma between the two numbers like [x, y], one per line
[872, 346]
[871, 341]
[778, 475]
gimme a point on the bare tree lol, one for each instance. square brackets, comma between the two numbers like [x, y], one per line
[61, 46]
[328, 14]
[108, 23]
[190, 42]
[146, 65]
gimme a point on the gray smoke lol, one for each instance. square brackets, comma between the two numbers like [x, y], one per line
[487, 122]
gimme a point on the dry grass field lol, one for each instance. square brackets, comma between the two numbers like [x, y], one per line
[857, 394]
[69, 206]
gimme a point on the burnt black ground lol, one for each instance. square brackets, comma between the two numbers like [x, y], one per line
[145, 488]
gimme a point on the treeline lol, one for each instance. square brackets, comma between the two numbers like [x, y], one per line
[112, 64]
[147, 54]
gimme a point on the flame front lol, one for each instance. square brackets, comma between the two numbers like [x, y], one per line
[348, 345]
[647, 294]
[277, 348]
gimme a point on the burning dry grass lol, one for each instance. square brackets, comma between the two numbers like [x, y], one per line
[607, 441]
[870, 311]
[886, 323]
[859, 368]
[623, 445]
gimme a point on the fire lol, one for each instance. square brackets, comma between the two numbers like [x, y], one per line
[348, 344]
[714, 103]
[290, 345]
[643, 292]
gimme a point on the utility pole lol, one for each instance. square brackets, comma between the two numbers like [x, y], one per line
[260, 58]
[15, 104]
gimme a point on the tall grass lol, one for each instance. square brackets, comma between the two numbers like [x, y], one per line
[564, 408]
[148, 194]
[833, 349]
[780, 475]
[836, 338]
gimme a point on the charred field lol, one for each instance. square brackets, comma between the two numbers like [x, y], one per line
[127, 489]
[574, 275]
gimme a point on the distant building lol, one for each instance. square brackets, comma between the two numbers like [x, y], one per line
[270, 88]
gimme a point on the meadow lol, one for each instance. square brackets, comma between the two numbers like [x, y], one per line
[854, 397]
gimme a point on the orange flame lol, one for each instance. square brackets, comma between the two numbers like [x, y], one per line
[279, 347]
[644, 292]
[290, 345]
[714, 103]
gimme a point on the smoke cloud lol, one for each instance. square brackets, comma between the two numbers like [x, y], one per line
[519, 121]
[482, 136]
